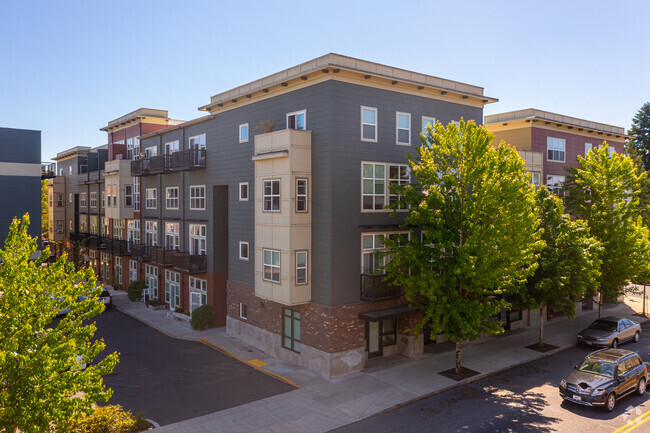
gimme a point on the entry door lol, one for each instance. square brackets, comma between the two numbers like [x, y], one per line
[195, 300]
[374, 339]
[175, 296]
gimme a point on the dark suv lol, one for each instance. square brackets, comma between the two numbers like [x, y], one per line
[604, 377]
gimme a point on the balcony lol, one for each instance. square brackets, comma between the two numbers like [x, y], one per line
[78, 236]
[141, 252]
[118, 247]
[48, 170]
[96, 242]
[162, 257]
[190, 263]
[189, 159]
[376, 288]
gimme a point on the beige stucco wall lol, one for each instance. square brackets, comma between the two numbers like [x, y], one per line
[118, 172]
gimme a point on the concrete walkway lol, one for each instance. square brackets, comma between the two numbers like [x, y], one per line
[320, 405]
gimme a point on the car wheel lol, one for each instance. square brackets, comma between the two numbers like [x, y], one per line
[640, 390]
[637, 337]
[615, 343]
[610, 403]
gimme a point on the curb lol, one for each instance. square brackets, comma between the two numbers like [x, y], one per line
[162, 331]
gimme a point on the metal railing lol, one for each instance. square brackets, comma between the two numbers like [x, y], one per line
[374, 287]
[141, 252]
[161, 256]
[189, 159]
[190, 263]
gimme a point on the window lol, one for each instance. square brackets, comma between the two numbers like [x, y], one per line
[133, 271]
[371, 244]
[301, 267]
[93, 199]
[388, 332]
[368, 124]
[243, 311]
[151, 278]
[171, 197]
[70, 198]
[59, 200]
[403, 128]
[243, 133]
[555, 184]
[82, 199]
[198, 293]
[118, 229]
[152, 198]
[301, 195]
[60, 172]
[243, 250]
[271, 265]
[171, 147]
[104, 226]
[105, 266]
[427, 121]
[172, 289]
[197, 197]
[272, 195]
[197, 142]
[128, 195]
[151, 233]
[136, 193]
[291, 329]
[588, 147]
[114, 195]
[297, 120]
[94, 226]
[243, 191]
[610, 151]
[71, 226]
[83, 223]
[129, 148]
[103, 199]
[59, 227]
[535, 179]
[397, 175]
[118, 270]
[133, 231]
[197, 239]
[151, 151]
[555, 149]
[70, 170]
[172, 236]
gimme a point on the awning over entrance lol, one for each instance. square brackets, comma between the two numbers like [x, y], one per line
[391, 313]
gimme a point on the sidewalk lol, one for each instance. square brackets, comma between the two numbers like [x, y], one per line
[320, 405]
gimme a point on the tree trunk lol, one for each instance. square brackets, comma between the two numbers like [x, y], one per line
[541, 326]
[600, 304]
[458, 367]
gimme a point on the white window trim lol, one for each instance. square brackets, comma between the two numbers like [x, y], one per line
[241, 311]
[547, 149]
[591, 147]
[272, 265]
[154, 199]
[298, 179]
[201, 145]
[272, 195]
[561, 183]
[431, 120]
[197, 197]
[296, 113]
[247, 191]
[306, 268]
[383, 248]
[167, 199]
[376, 123]
[248, 251]
[387, 192]
[397, 128]
[244, 125]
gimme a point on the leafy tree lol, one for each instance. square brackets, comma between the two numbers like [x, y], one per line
[475, 208]
[640, 131]
[644, 193]
[643, 259]
[42, 382]
[569, 264]
[45, 223]
[604, 192]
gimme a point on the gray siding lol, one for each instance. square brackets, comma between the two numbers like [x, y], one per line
[20, 145]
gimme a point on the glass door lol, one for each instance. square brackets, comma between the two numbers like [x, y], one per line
[374, 345]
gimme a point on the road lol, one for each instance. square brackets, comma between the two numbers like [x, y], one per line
[173, 380]
[524, 399]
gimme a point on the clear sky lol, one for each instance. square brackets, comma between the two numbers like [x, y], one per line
[68, 67]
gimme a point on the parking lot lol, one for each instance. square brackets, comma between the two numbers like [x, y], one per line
[172, 380]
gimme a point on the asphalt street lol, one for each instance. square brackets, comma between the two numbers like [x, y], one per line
[173, 380]
[524, 399]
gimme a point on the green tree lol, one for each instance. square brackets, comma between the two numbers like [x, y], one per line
[643, 259]
[640, 131]
[474, 205]
[569, 264]
[42, 382]
[604, 191]
[45, 224]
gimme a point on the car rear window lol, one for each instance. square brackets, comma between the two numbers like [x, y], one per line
[604, 325]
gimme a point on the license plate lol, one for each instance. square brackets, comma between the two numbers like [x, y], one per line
[589, 343]
[577, 397]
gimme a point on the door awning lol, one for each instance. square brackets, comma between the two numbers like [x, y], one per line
[391, 313]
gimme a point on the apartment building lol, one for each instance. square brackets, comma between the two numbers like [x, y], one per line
[550, 143]
[20, 179]
[270, 207]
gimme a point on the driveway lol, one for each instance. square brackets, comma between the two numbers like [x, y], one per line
[173, 380]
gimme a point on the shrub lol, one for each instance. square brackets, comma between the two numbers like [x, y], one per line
[134, 292]
[109, 419]
[201, 317]
[154, 302]
[178, 309]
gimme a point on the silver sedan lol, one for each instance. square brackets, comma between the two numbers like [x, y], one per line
[610, 332]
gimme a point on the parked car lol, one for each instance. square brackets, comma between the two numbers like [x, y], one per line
[604, 377]
[104, 297]
[610, 332]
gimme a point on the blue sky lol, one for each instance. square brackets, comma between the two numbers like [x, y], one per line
[68, 67]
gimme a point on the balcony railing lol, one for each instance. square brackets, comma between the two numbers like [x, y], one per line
[48, 170]
[162, 256]
[375, 288]
[190, 263]
[96, 242]
[141, 252]
[189, 159]
[120, 247]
